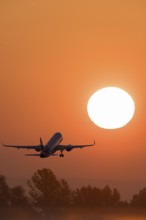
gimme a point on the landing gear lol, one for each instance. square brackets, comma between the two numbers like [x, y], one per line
[61, 155]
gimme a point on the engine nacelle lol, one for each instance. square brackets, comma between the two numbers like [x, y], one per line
[69, 148]
[37, 150]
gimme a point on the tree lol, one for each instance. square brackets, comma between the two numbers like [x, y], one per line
[47, 192]
[96, 197]
[106, 196]
[4, 192]
[115, 197]
[139, 200]
[87, 196]
[18, 197]
[65, 193]
[110, 197]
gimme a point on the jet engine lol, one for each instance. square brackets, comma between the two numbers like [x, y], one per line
[69, 148]
[38, 150]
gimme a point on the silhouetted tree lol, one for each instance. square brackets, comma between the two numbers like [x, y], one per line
[106, 196]
[135, 201]
[47, 192]
[123, 204]
[115, 197]
[110, 197]
[65, 193]
[96, 197]
[139, 200]
[87, 196]
[4, 193]
[81, 196]
[18, 197]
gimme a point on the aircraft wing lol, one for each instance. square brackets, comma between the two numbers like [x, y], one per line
[37, 147]
[70, 147]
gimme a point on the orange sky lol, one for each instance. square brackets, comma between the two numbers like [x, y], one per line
[54, 54]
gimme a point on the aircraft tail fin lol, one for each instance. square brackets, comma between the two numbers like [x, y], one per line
[41, 144]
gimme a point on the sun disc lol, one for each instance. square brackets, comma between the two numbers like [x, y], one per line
[110, 108]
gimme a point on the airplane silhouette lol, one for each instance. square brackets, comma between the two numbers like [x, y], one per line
[51, 147]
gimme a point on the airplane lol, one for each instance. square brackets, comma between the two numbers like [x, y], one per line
[51, 147]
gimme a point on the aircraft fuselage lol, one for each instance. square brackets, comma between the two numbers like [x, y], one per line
[52, 144]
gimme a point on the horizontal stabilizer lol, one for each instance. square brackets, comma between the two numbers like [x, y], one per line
[32, 155]
[38, 155]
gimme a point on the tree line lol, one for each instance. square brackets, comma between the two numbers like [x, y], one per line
[47, 194]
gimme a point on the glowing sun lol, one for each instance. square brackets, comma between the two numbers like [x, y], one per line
[111, 108]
